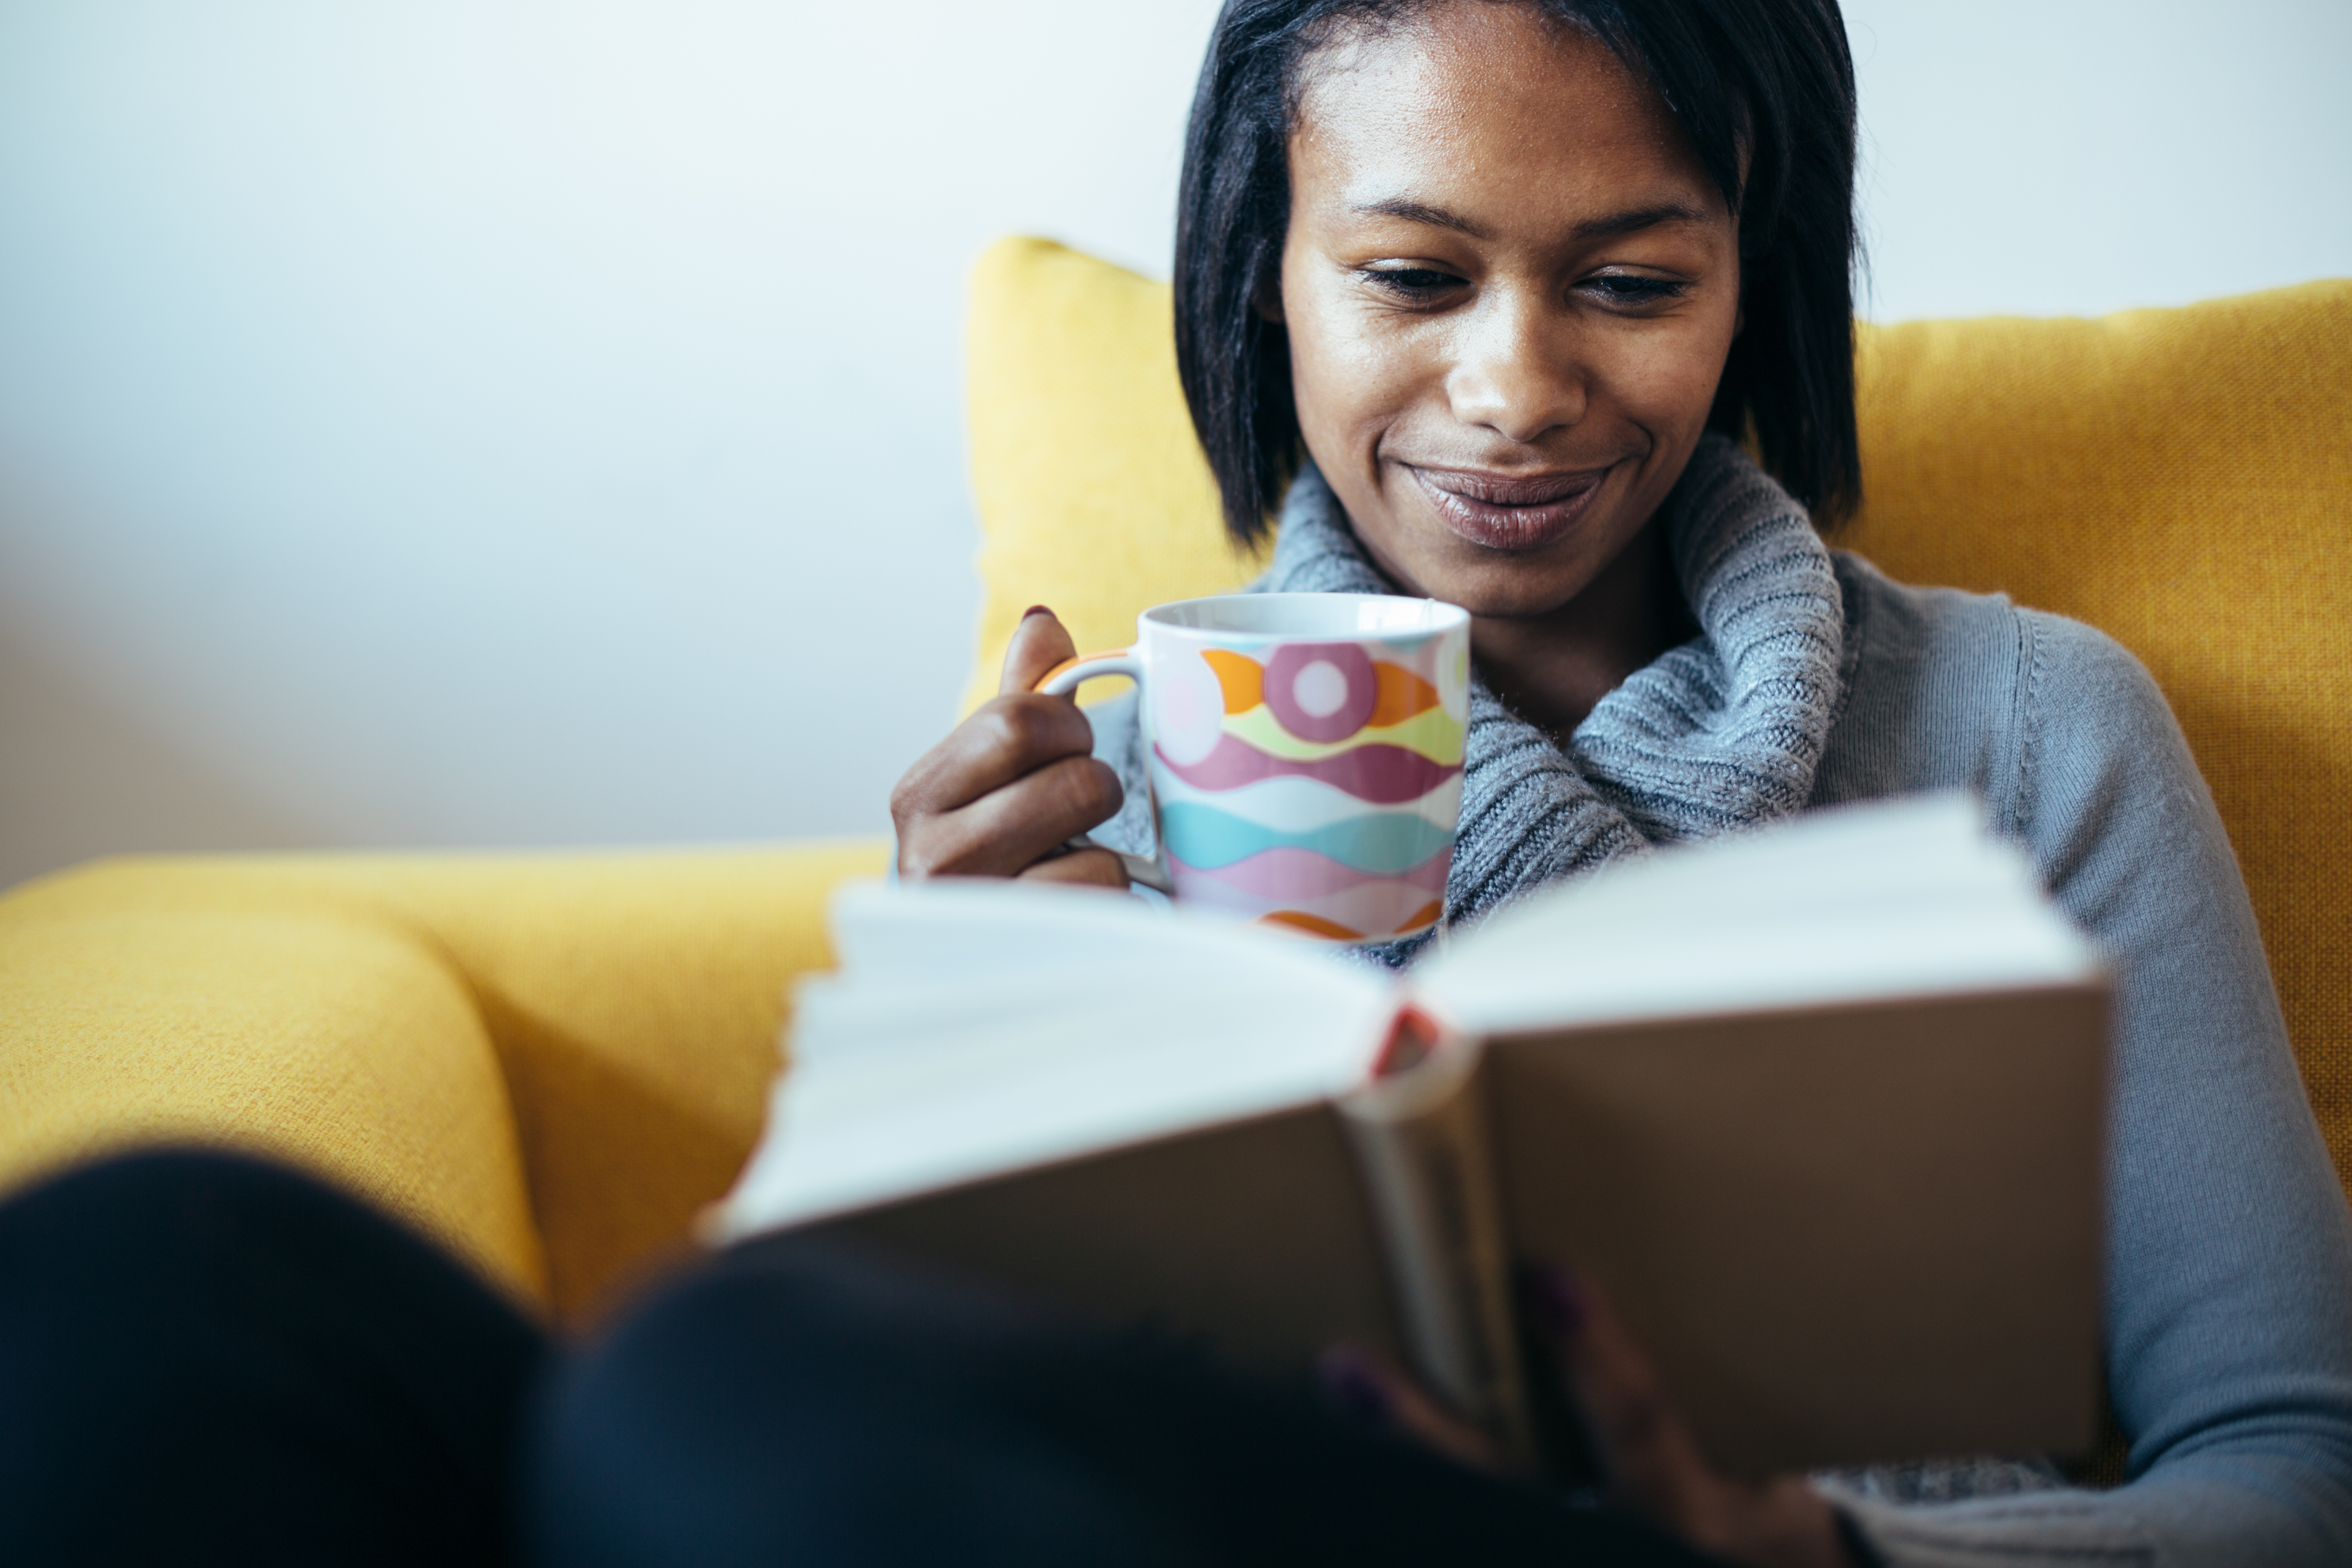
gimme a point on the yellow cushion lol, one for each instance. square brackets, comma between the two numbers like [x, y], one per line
[548, 1062]
[297, 1027]
[2178, 479]
[1092, 492]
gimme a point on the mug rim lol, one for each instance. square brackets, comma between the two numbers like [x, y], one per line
[1436, 618]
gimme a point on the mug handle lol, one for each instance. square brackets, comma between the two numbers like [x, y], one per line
[1063, 679]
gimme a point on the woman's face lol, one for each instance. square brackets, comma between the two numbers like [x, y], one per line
[1509, 289]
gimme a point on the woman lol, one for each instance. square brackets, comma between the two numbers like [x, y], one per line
[1515, 275]
[1511, 274]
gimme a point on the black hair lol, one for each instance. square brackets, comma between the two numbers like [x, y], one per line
[1769, 83]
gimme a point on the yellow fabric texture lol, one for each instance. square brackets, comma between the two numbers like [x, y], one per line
[548, 1062]
[1092, 492]
[2181, 479]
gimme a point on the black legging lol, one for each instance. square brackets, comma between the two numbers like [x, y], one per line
[204, 1358]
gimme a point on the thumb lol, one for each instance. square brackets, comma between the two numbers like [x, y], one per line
[1039, 643]
[1649, 1457]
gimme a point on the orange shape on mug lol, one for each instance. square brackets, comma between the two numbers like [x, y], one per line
[1240, 675]
[1402, 694]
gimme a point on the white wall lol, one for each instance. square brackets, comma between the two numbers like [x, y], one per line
[531, 423]
[2066, 157]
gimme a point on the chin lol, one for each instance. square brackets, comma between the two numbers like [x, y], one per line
[1504, 590]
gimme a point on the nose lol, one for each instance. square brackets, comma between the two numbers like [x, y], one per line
[1516, 369]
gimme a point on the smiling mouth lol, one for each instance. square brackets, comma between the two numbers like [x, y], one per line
[1509, 511]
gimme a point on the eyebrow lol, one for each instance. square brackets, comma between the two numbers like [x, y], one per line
[1422, 212]
[1625, 222]
[1638, 218]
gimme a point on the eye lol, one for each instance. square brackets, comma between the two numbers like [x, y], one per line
[1626, 289]
[1411, 283]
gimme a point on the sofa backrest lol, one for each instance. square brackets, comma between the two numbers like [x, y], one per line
[2181, 479]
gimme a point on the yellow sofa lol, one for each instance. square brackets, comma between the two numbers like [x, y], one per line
[551, 1061]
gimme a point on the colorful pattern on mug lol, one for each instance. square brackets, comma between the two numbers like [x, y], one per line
[1316, 788]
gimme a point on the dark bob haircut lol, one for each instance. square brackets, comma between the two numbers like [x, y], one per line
[1768, 80]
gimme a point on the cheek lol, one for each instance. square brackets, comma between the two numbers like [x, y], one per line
[1664, 376]
[1351, 379]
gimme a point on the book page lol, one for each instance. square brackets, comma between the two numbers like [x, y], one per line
[1881, 900]
[976, 1028]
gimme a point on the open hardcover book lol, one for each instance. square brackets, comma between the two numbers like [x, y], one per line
[1820, 1106]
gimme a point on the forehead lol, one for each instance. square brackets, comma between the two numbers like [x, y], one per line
[1477, 99]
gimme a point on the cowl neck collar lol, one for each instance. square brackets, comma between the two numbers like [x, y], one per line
[1720, 733]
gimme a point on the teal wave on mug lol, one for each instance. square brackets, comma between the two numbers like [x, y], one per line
[1383, 843]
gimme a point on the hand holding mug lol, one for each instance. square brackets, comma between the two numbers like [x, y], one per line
[1009, 787]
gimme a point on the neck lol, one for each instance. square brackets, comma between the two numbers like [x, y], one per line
[1554, 669]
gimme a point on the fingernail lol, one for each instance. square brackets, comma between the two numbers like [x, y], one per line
[1037, 610]
[1553, 1298]
[1352, 1390]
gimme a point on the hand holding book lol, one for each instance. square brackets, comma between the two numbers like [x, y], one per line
[1645, 1458]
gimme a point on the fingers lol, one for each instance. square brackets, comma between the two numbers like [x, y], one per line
[1365, 1388]
[1648, 1454]
[1652, 1460]
[1080, 869]
[1010, 827]
[1006, 738]
[1039, 643]
[1012, 783]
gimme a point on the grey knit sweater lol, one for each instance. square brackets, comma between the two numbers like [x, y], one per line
[1816, 681]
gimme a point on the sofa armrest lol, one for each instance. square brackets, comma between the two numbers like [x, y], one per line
[548, 1062]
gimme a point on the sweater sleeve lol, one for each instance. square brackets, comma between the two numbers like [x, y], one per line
[2230, 1250]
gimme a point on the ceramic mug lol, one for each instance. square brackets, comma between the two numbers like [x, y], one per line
[1304, 755]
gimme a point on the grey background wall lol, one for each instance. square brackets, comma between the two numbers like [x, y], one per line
[505, 422]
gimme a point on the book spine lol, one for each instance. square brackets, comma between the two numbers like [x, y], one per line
[1420, 1146]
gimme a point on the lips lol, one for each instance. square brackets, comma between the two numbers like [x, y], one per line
[1509, 511]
